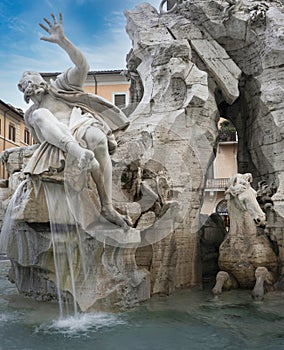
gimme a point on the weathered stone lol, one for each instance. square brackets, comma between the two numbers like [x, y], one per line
[245, 249]
[146, 220]
[132, 210]
[224, 70]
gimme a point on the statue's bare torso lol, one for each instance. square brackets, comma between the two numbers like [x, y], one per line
[59, 109]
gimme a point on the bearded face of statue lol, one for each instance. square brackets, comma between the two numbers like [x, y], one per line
[32, 84]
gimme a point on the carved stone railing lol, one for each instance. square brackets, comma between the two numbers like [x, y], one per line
[216, 184]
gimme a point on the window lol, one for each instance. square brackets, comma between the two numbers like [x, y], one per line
[119, 99]
[12, 132]
[27, 136]
[222, 209]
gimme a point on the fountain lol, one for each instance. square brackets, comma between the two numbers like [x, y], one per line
[106, 233]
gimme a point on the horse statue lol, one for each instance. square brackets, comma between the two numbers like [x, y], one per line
[246, 247]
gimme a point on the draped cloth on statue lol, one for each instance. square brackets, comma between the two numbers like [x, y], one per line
[48, 158]
[109, 115]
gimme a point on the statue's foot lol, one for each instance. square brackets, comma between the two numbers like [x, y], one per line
[113, 216]
[221, 278]
[88, 161]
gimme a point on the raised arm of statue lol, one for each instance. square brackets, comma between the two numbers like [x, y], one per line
[76, 75]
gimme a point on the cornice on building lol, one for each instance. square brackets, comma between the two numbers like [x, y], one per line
[18, 111]
[92, 72]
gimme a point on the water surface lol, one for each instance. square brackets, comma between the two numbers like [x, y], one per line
[188, 320]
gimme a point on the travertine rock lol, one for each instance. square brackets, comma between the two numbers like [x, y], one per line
[253, 38]
[179, 112]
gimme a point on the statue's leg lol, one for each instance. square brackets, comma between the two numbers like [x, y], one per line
[264, 279]
[221, 278]
[97, 141]
[49, 129]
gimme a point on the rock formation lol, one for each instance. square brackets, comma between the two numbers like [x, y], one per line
[240, 47]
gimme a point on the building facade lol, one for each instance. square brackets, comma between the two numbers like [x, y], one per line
[109, 84]
[221, 170]
[13, 132]
[112, 85]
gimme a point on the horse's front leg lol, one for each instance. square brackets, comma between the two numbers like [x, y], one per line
[224, 281]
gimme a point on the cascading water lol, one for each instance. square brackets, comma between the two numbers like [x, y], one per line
[20, 195]
[64, 243]
[64, 235]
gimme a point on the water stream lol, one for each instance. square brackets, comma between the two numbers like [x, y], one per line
[19, 197]
[63, 231]
[188, 320]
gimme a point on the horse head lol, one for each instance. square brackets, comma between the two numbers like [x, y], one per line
[240, 189]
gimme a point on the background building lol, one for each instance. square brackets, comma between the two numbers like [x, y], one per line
[110, 84]
[220, 171]
[13, 132]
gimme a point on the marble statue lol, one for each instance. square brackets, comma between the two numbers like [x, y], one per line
[61, 230]
[136, 89]
[245, 248]
[233, 6]
[65, 120]
[264, 281]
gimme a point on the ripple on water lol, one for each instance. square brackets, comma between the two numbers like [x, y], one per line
[10, 317]
[81, 324]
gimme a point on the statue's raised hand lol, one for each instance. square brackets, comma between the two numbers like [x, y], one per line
[55, 30]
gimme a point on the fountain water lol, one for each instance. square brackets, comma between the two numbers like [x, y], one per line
[175, 322]
[19, 197]
[63, 230]
[64, 233]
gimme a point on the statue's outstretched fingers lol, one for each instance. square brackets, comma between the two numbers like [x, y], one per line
[44, 27]
[54, 18]
[47, 21]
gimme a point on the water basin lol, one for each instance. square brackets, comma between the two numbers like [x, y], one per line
[188, 320]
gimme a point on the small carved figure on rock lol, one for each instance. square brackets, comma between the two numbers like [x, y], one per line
[258, 13]
[264, 194]
[232, 7]
[136, 87]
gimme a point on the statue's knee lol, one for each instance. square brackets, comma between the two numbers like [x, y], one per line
[96, 140]
[102, 145]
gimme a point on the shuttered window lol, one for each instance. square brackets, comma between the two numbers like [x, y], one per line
[12, 132]
[27, 136]
[120, 100]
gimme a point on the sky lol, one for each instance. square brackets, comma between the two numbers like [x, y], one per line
[97, 27]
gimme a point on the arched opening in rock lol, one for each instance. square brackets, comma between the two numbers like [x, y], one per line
[214, 213]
